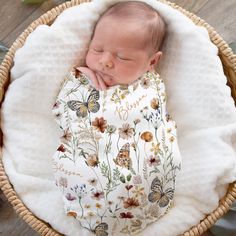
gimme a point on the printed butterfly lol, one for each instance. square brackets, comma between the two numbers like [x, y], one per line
[158, 195]
[101, 229]
[123, 158]
[82, 108]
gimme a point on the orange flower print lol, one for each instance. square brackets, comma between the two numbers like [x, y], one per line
[98, 205]
[72, 213]
[155, 103]
[92, 160]
[147, 136]
[131, 203]
[100, 124]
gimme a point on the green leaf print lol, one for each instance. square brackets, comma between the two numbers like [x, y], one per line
[128, 177]
[122, 178]
[104, 169]
[116, 174]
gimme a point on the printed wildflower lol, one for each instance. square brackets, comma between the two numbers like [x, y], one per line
[136, 223]
[137, 179]
[126, 131]
[131, 203]
[72, 213]
[155, 103]
[61, 148]
[172, 139]
[111, 129]
[122, 157]
[133, 145]
[58, 116]
[153, 161]
[90, 214]
[98, 195]
[99, 206]
[92, 160]
[147, 136]
[128, 187]
[56, 105]
[70, 197]
[126, 215]
[93, 182]
[168, 117]
[63, 182]
[121, 198]
[155, 148]
[80, 191]
[100, 124]
[138, 191]
[145, 82]
[136, 121]
[169, 130]
[66, 137]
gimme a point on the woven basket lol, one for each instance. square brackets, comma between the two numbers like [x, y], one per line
[229, 64]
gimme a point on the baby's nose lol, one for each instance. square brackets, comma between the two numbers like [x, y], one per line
[106, 61]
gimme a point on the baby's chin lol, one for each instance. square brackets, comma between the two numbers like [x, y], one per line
[107, 79]
[110, 82]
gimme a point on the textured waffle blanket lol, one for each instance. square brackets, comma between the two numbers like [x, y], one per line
[120, 150]
[198, 100]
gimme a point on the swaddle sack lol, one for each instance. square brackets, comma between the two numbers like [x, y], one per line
[118, 158]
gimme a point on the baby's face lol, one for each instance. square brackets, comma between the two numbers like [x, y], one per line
[116, 52]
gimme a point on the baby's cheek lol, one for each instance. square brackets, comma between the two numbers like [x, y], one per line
[90, 61]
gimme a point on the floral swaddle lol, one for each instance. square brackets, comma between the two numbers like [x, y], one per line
[118, 158]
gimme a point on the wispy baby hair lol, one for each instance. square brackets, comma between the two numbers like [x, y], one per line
[149, 19]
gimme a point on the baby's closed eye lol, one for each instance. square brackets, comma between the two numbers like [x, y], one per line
[98, 49]
[122, 57]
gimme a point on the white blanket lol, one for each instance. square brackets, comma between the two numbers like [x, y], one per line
[198, 100]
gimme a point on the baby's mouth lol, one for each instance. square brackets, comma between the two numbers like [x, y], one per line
[106, 78]
[103, 74]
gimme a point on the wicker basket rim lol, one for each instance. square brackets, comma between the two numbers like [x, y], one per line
[43, 228]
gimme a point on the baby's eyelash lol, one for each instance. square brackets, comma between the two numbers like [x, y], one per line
[98, 50]
[123, 58]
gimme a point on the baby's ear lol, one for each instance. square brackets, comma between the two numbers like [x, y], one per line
[153, 61]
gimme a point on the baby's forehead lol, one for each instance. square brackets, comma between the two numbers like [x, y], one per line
[137, 17]
[138, 30]
[110, 27]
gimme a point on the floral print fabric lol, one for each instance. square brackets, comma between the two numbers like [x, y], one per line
[118, 158]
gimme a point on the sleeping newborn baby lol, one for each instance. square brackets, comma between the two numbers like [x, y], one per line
[118, 158]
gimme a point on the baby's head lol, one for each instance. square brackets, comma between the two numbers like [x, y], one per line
[126, 42]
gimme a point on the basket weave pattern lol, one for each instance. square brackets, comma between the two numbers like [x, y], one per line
[228, 59]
